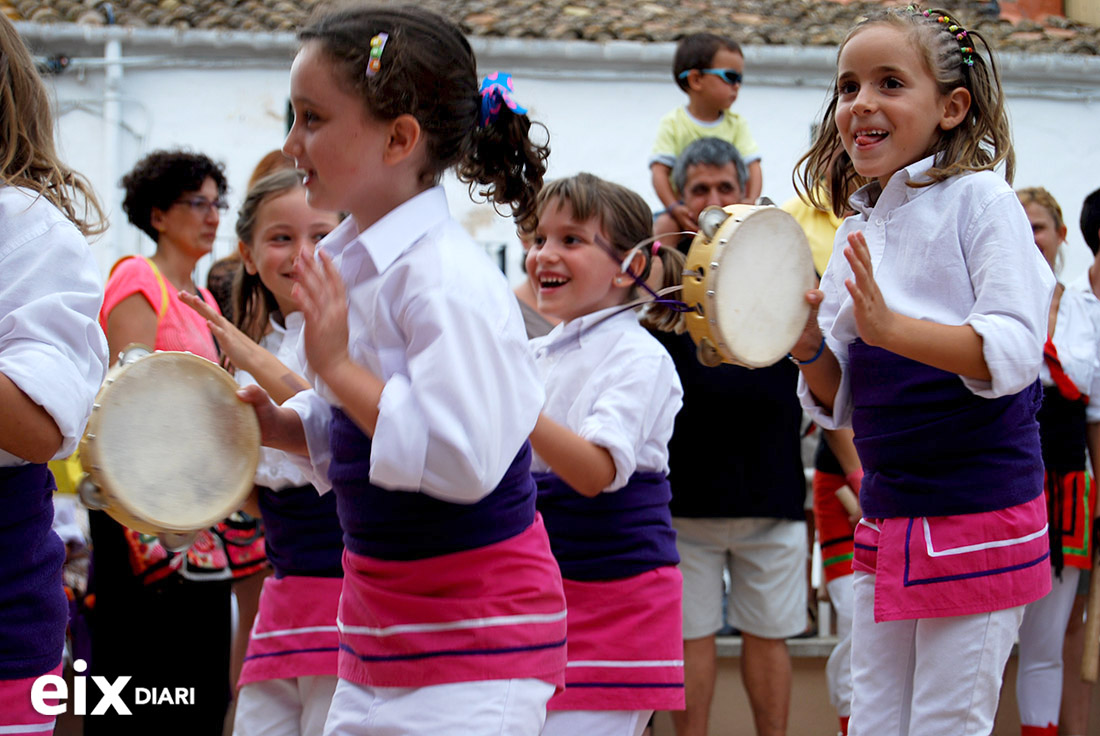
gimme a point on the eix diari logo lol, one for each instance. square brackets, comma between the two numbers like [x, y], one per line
[53, 688]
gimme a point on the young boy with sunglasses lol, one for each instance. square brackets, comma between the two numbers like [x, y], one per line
[709, 69]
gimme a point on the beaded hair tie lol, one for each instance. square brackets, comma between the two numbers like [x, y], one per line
[955, 30]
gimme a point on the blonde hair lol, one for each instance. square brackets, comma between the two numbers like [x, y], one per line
[627, 220]
[982, 141]
[28, 157]
[254, 303]
[1044, 199]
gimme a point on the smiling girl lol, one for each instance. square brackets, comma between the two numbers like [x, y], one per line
[928, 341]
[289, 671]
[452, 617]
[601, 459]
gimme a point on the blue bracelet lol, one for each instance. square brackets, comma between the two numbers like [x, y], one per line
[820, 350]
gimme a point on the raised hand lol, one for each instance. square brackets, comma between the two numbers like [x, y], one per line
[321, 294]
[237, 346]
[874, 320]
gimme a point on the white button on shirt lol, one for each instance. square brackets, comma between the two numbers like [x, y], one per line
[612, 383]
[957, 252]
[433, 317]
[51, 345]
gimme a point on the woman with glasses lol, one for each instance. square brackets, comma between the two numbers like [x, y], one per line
[160, 617]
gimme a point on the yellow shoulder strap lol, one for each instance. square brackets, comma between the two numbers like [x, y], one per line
[163, 289]
[163, 310]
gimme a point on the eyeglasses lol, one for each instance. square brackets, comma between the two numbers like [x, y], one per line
[729, 76]
[202, 205]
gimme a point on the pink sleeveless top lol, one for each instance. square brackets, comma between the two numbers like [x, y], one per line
[178, 326]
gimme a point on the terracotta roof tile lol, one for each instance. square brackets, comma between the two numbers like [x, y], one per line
[794, 22]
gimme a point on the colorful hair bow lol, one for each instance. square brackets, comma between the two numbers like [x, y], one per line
[496, 91]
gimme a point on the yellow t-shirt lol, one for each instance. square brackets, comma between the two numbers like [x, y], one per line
[819, 226]
[678, 128]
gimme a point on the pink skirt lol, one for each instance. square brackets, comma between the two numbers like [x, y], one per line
[626, 645]
[18, 716]
[930, 567]
[295, 632]
[492, 613]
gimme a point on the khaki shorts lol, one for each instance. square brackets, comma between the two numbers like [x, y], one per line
[766, 559]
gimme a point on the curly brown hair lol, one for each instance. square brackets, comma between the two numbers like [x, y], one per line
[28, 157]
[161, 178]
[825, 176]
[429, 71]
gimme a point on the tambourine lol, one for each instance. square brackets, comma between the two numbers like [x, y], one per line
[169, 448]
[746, 277]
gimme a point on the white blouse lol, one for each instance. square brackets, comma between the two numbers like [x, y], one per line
[51, 345]
[612, 383]
[959, 252]
[433, 318]
[1077, 339]
[277, 469]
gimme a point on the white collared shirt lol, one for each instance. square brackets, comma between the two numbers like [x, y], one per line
[278, 470]
[433, 317]
[51, 345]
[957, 252]
[612, 383]
[1077, 339]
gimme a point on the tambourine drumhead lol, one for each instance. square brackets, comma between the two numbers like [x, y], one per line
[170, 445]
[750, 280]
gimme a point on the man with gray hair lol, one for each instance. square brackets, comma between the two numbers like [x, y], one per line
[709, 172]
[737, 495]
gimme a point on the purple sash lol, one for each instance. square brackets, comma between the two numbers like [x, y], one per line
[404, 525]
[931, 447]
[612, 536]
[32, 597]
[302, 532]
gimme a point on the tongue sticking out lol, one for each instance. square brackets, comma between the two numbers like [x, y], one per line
[867, 138]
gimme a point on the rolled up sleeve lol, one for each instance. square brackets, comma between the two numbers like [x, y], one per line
[51, 345]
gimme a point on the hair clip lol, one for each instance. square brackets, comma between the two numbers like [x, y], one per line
[496, 92]
[955, 29]
[377, 44]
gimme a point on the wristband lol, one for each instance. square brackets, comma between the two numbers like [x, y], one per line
[820, 350]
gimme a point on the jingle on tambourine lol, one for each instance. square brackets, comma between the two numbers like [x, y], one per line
[169, 448]
[746, 277]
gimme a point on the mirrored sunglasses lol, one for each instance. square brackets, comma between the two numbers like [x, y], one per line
[729, 76]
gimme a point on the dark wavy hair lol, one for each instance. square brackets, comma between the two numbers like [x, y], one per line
[159, 179]
[428, 71]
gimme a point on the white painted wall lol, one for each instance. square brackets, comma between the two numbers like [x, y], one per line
[601, 105]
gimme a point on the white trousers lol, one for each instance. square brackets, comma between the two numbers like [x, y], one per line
[1042, 633]
[290, 707]
[838, 669]
[596, 722]
[483, 708]
[929, 676]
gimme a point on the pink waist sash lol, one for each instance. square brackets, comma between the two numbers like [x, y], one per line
[928, 567]
[490, 613]
[626, 645]
[295, 633]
